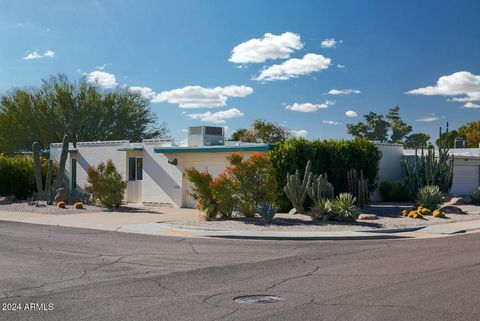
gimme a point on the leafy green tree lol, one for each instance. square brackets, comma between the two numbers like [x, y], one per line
[399, 128]
[261, 131]
[450, 140]
[416, 141]
[79, 109]
[471, 132]
[377, 126]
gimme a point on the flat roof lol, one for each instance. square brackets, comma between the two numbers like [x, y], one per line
[215, 149]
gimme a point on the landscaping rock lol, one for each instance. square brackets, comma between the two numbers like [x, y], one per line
[293, 211]
[4, 200]
[367, 217]
[456, 201]
[61, 195]
[450, 209]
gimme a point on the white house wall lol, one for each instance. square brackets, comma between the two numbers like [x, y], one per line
[389, 168]
[91, 154]
[162, 182]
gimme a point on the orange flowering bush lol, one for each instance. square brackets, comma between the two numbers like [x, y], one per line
[253, 181]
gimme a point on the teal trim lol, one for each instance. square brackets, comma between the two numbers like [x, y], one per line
[213, 149]
[126, 149]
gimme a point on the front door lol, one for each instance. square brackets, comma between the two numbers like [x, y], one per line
[135, 176]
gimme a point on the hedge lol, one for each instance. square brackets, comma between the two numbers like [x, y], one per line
[334, 157]
[17, 175]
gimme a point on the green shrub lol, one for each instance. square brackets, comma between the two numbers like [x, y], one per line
[429, 197]
[344, 209]
[475, 195]
[267, 211]
[106, 185]
[322, 210]
[17, 175]
[334, 157]
[253, 181]
[393, 192]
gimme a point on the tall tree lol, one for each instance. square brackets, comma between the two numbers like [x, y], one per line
[471, 132]
[79, 109]
[416, 141]
[399, 128]
[261, 131]
[376, 127]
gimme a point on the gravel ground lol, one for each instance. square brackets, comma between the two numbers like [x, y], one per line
[388, 218]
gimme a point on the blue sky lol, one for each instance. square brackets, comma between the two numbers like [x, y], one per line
[228, 63]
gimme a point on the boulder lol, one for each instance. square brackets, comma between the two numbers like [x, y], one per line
[367, 217]
[61, 195]
[293, 211]
[450, 209]
[456, 201]
[5, 200]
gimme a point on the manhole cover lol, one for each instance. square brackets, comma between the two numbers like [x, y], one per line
[254, 299]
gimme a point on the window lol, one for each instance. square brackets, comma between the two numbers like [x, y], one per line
[135, 168]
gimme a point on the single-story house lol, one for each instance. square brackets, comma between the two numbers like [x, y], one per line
[466, 167]
[155, 168]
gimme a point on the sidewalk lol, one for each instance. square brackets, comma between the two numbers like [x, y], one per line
[159, 223]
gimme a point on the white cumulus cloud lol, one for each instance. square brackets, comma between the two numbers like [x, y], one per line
[330, 122]
[102, 79]
[299, 133]
[198, 97]
[463, 84]
[342, 92]
[309, 107]
[350, 113]
[471, 105]
[36, 55]
[428, 119]
[330, 43]
[269, 47]
[294, 67]
[146, 92]
[218, 117]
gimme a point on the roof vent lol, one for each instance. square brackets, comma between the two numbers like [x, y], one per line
[460, 143]
[206, 136]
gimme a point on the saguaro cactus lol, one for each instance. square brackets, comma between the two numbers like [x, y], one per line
[358, 187]
[319, 188]
[296, 189]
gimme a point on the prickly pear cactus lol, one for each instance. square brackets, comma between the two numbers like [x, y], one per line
[296, 189]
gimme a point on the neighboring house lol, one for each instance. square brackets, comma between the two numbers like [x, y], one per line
[466, 168]
[155, 169]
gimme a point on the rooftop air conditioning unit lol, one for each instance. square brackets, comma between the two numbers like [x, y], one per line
[205, 136]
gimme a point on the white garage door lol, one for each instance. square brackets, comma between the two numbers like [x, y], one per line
[213, 169]
[465, 179]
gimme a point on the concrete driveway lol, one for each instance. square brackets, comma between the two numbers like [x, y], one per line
[99, 275]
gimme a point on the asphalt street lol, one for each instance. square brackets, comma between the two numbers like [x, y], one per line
[59, 273]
